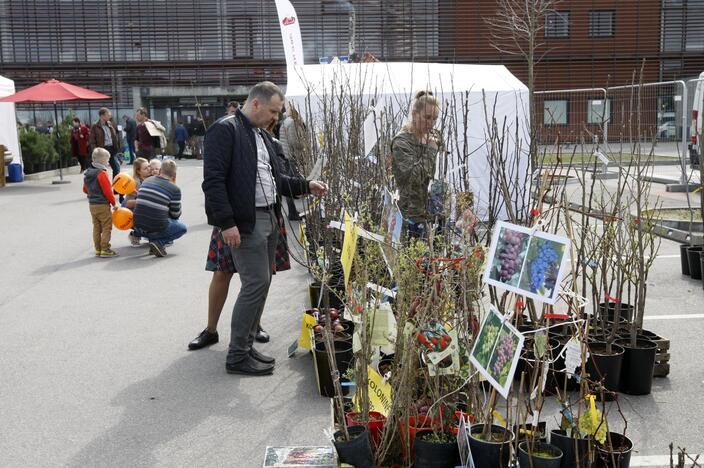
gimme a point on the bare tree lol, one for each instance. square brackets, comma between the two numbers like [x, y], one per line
[517, 29]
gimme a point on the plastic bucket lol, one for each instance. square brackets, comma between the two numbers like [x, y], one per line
[14, 173]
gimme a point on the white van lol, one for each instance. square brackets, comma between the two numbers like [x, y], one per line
[695, 143]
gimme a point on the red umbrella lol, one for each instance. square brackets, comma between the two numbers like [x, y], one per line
[55, 91]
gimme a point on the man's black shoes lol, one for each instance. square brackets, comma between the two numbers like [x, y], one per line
[250, 366]
[205, 338]
[263, 358]
[261, 336]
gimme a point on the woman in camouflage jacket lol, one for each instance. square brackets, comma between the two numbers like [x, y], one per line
[414, 150]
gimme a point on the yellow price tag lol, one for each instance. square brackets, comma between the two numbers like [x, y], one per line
[307, 325]
[379, 393]
[592, 408]
[499, 418]
[349, 247]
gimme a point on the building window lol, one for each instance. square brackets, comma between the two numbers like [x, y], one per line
[557, 24]
[555, 112]
[601, 23]
[599, 111]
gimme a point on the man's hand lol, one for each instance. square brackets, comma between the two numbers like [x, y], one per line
[231, 237]
[318, 188]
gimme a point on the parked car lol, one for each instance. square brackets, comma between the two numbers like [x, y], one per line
[667, 131]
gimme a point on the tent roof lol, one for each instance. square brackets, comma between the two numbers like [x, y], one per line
[402, 78]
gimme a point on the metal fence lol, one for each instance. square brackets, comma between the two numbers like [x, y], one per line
[612, 120]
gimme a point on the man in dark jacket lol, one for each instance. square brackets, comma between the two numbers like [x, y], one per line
[243, 185]
[103, 135]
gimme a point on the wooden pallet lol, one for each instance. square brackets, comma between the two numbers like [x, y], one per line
[662, 358]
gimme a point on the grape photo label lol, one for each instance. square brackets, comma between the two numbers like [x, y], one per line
[529, 263]
[496, 351]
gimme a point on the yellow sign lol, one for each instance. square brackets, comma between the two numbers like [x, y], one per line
[349, 247]
[379, 393]
[307, 325]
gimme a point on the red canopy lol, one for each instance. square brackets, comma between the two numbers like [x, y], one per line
[53, 91]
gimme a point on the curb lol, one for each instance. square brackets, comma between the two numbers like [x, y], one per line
[72, 170]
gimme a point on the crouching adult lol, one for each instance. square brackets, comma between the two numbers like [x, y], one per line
[158, 209]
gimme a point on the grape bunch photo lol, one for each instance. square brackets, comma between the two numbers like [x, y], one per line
[501, 360]
[496, 351]
[542, 266]
[509, 254]
[527, 261]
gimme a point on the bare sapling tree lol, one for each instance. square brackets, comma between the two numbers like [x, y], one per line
[517, 29]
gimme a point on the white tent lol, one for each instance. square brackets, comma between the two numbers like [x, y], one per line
[8, 120]
[490, 88]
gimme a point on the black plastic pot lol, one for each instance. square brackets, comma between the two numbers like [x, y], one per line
[616, 456]
[684, 259]
[695, 266]
[487, 453]
[637, 367]
[575, 452]
[358, 451]
[607, 366]
[343, 357]
[609, 311]
[435, 454]
[531, 460]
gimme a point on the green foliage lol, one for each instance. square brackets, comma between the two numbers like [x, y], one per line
[37, 147]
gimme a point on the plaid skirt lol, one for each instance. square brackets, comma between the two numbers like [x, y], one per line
[220, 257]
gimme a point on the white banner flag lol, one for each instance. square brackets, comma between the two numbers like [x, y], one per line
[290, 33]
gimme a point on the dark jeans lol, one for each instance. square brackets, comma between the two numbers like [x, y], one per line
[181, 147]
[114, 162]
[254, 260]
[130, 145]
[173, 231]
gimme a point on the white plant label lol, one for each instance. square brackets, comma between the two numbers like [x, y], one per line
[573, 355]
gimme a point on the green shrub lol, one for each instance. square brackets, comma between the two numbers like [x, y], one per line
[37, 147]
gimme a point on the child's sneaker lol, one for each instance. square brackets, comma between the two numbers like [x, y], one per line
[108, 253]
[98, 252]
[134, 240]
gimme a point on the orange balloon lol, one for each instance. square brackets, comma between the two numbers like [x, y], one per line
[122, 219]
[124, 184]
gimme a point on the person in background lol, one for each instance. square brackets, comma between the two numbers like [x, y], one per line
[140, 172]
[158, 209]
[232, 106]
[181, 136]
[197, 137]
[154, 167]
[130, 134]
[143, 140]
[97, 186]
[103, 135]
[292, 133]
[414, 151]
[79, 142]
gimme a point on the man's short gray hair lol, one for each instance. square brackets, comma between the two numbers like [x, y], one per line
[168, 168]
[264, 91]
